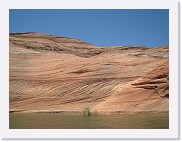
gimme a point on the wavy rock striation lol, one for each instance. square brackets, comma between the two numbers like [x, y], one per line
[58, 74]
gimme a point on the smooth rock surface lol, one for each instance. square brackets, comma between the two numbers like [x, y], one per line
[51, 73]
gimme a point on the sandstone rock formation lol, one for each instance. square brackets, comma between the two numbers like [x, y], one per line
[58, 74]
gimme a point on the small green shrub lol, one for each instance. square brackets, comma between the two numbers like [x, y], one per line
[87, 111]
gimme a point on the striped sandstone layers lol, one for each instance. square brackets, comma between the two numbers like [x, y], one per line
[58, 74]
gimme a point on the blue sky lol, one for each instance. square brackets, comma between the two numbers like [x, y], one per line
[99, 27]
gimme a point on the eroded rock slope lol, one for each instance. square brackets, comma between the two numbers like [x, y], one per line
[52, 73]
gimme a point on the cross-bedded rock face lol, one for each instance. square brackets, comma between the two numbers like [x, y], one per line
[52, 73]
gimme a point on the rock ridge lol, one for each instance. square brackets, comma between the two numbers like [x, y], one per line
[51, 73]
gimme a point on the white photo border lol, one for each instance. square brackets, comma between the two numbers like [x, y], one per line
[171, 133]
